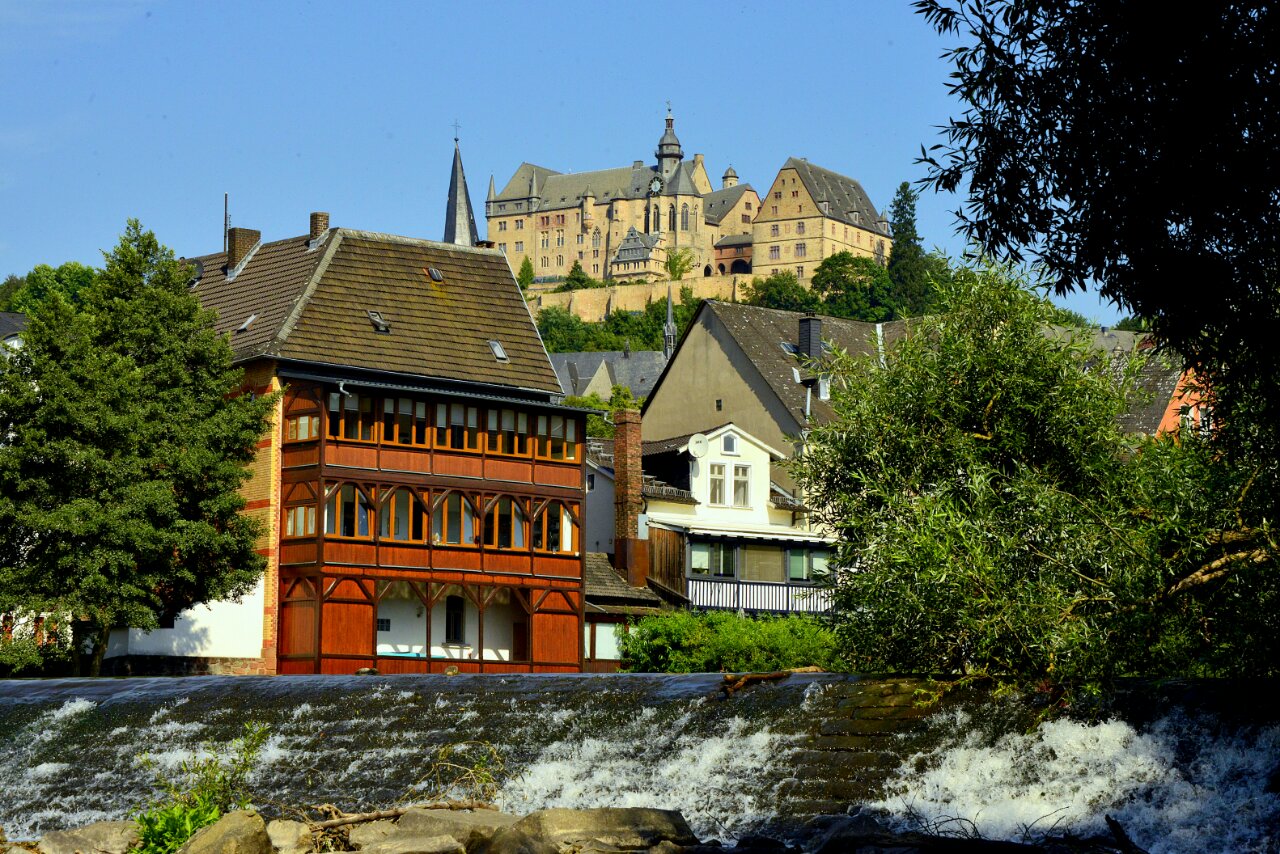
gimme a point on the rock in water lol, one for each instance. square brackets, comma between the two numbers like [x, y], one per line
[621, 827]
[508, 840]
[102, 837]
[471, 829]
[240, 832]
[404, 844]
[370, 833]
[289, 837]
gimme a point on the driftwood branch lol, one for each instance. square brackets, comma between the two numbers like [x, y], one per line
[357, 818]
[737, 681]
[1216, 569]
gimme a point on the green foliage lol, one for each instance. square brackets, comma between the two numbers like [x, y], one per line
[525, 276]
[70, 281]
[577, 279]
[1073, 155]
[1133, 323]
[782, 291]
[721, 641]
[855, 287]
[564, 332]
[677, 263]
[11, 286]
[911, 291]
[119, 482]
[993, 520]
[620, 398]
[1066, 317]
[206, 787]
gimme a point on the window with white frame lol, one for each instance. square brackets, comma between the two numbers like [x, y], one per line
[715, 559]
[729, 444]
[742, 486]
[717, 484]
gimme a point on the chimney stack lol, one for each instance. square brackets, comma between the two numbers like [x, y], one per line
[811, 336]
[239, 242]
[631, 554]
[319, 223]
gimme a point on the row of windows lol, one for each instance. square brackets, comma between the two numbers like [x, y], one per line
[775, 229]
[721, 560]
[451, 426]
[800, 250]
[406, 515]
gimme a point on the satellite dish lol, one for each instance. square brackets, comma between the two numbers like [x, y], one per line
[698, 445]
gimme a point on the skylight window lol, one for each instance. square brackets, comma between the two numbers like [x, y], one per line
[790, 349]
[498, 353]
[436, 275]
[248, 321]
[380, 323]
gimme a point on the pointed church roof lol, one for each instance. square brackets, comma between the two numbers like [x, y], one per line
[459, 218]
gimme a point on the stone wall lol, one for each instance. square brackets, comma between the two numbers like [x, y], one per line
[595, 304]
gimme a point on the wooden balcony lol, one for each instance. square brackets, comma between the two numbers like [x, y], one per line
[730, 594]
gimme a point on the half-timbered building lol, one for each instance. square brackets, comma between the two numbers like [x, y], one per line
[422, 490]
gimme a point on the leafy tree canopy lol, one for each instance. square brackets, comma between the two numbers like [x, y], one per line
[11, 285]
[525, 276]
[119, 479]
[854, 286]
[677, 263]
[720, 641]
[782, 291]
[1151, 174]
[69, 280]
[993, 520]
[578, 279]
[620, 398]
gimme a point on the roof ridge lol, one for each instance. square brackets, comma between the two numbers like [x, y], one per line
[295, 312]
[416, 241]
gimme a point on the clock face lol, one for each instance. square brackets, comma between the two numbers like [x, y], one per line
[655, 185]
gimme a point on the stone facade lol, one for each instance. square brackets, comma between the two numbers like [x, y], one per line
[555, 219]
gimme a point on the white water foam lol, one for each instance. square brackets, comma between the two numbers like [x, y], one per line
[1175, 787]
[704, 777]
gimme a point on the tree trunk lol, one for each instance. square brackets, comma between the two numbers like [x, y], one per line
[101, 635]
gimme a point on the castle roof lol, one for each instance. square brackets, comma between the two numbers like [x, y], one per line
[718, 203]
[838, 196]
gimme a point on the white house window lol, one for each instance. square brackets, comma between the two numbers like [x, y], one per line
[729, 444]
[717, 559]
[717, 483]
[742, 486]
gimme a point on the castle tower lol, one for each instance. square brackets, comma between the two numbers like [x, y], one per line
[459, 218]
[669, 153]
[729, 179]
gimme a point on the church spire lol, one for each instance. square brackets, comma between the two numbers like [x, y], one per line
[669, 330]
[459, 218]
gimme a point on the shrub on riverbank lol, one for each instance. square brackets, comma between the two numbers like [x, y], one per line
[693, 642]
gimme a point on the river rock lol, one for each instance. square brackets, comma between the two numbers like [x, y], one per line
[289, 837]
[626, 828]
[510, 840]
[471, 829]
[371, 833]
[408, 844]
[102, 837]
[239, 832]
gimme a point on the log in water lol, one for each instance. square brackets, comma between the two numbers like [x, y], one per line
[1181, 768]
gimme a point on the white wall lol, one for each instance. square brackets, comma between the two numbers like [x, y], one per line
[749, 454]
[217, 630]
[408, 633]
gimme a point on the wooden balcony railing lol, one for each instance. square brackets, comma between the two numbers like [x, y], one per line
[777, 597]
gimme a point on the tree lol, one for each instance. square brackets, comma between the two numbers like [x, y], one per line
[127, 444]
[525, 276]
[782, 291]
[722, 641]
[912, 291]
[679, 262]
[578, 279]
[1152, 175]
[853, 286]
[619, 398]
[12, 284]
[70, 280]
[993, 520]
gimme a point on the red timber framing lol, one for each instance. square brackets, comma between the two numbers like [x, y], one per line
[415, 538]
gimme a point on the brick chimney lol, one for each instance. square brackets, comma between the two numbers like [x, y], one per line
[631, 554]
[319, 223]
[239, 242]
[811, 336]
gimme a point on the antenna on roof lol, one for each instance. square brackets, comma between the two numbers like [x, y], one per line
[226, 219]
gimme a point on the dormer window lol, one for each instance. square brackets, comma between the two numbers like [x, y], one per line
[729, 444]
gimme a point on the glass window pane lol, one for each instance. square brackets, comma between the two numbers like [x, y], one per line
[700, 557]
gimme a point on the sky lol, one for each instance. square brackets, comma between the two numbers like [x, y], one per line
[121, 108]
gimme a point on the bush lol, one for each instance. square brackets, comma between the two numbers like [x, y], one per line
[206, 787]
[721, 641]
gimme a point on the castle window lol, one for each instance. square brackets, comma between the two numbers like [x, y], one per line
[801, 249]
[799, 272]
[519, 245]
[775, 209]
[775, 253]
[684, 217]
[777, 194]
[519, 225]
[502, 225]
[746, 218]
[799, 228]
[595, 241]
[559, 237]
[671, 217]
[580, 239]
[774, 230]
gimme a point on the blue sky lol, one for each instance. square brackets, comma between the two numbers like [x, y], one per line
[120, 109]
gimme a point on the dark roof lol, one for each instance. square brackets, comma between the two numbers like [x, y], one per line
[518, 186]
[459, 218]
[1156, 383]
[761, 332]
[638, 370]
[11, 323]
[838, 196]
[718, 203]
[636, 246]
[604, 586]
[666, 446]
[312, 300]
[734, 240]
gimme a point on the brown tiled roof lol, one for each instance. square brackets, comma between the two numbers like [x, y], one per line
[604, 585]
[313, 303]
[761, 332]
[664, 446]
[1156, 383]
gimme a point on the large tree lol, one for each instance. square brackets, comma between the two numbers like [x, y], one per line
[994, 520]
[912, 291]
[127, 442]
[781, 291]
[1146, 168]
[853, 286]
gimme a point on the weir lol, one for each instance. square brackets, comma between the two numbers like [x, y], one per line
[1184, 767]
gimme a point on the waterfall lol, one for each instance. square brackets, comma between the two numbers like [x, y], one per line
[765, 760]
